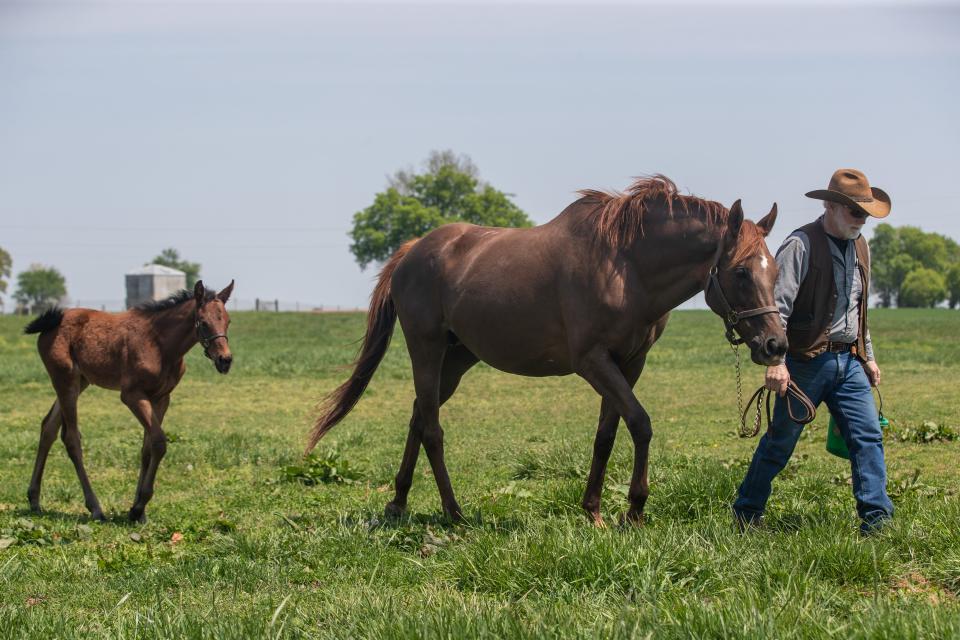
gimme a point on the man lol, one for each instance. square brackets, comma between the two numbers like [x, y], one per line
[821, 291]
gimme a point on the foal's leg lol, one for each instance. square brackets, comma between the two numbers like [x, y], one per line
[599, 369]
[71, 439]
[456, 361]
[142, 408]
[159, 411]
[49, 427]
[603, 445]
[426, 355]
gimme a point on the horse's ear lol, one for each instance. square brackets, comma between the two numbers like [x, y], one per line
[199, 291]
[224, 295]
[766, 223]
[734, 220]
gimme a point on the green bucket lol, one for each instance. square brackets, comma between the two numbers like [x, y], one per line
[835, 442]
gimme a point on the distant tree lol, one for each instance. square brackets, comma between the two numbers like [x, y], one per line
[449, 190]
[40, 288]
[898, 251]
[6, 264]
[884, 247]
[171, 258]
[922, 288]
[953, 285]
[928, 249]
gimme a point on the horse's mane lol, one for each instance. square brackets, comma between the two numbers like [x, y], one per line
[618, 217]
[178, 298]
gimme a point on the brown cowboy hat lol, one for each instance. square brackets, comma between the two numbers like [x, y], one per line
[850, 187]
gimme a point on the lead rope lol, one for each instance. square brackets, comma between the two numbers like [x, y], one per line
[792, 390]
[741, 431]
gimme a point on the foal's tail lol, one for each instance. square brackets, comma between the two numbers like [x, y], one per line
[380, 320]
[46, 321]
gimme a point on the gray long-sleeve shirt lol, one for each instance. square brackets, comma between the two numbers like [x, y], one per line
[793, 262]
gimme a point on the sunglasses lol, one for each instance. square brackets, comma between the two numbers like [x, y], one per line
[857, 215]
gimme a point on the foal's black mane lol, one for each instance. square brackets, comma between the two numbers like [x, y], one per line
[155, 306]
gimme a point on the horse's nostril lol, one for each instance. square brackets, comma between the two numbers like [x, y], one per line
[774, 347]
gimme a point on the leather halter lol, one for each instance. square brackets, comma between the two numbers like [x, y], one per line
[206, 341]
[731, 317]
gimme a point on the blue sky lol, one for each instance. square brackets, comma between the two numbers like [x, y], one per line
[246, 134]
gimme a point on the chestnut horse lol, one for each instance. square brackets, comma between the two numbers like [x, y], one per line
[588, 293]
[138, 352]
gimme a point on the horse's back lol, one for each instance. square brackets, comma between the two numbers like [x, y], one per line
[87, 342]
[493, 288]
[531, 301]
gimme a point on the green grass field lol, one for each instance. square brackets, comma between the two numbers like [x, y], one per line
[234, 548]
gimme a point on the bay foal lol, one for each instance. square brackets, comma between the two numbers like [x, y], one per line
[139, 353]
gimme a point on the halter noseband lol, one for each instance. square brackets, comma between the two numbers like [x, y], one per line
[206, 341]
[731, 317]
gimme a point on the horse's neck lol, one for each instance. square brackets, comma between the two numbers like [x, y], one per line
[676, 270]
[175, 330]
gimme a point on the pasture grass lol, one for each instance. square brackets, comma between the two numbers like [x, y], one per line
[246, 539]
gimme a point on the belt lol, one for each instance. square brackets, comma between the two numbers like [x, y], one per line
[840, 347]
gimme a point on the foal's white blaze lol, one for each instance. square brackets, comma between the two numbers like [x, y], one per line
[763, 262]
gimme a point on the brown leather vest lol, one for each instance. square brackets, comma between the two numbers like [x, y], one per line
[809, 324]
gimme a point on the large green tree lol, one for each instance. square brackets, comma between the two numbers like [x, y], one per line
[922, 288]
[40, 287]
[448, 190]
[170, 257]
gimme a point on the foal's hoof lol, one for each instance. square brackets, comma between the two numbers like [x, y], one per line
[631, 519]
[137, 515]
[393, 511]
[98, 516]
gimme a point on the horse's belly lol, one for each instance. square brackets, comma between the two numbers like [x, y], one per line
[533, 368]
[522, 359]
[100, 378]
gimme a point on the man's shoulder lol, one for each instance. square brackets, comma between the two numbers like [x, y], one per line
[796, 241]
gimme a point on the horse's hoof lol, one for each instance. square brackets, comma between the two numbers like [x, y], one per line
[454, 515]
[137, 515]
[597, 520]
[98, 516]
[393, 511]
[631, 519]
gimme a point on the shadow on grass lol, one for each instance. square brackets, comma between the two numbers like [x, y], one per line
[475, 520]
[120, 518]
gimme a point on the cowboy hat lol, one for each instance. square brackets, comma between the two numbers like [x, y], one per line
[850, 187]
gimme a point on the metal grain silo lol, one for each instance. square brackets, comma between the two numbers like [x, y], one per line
[153, 282]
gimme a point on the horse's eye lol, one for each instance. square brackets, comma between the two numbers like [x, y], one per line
[741, 272]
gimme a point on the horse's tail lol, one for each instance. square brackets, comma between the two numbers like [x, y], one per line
[46, 321]
[380, 320]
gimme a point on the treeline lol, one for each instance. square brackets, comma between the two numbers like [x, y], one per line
[41, 287]
[912, 268]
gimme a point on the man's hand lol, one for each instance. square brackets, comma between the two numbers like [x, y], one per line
[777, 379]
[873, 372]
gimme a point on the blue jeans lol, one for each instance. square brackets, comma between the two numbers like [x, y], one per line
[839, 380]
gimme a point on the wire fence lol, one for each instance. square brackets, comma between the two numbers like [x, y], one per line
[274, 305]
[269, 305]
